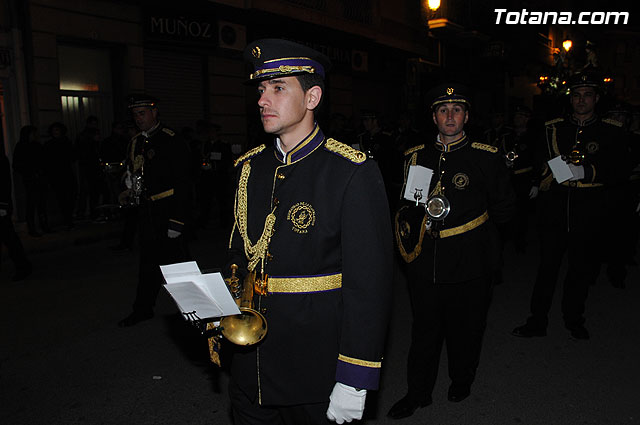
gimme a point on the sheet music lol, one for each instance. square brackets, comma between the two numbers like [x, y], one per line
[560, 169]
[418, 181]
[205, 294]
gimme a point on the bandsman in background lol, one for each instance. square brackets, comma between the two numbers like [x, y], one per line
[449, 240]
[573, 214]
[518, 156]
[312, 232]
[622, 238]
[158, 185]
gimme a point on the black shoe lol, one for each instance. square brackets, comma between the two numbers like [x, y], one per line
[134, 318]
[579, 332]
[527, 331]
[406, 407]
[457, 394]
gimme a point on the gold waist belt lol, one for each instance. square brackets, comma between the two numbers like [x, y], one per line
[465, 227]
[570, 183]
[301, 284]
[523, 170]
[161, 195]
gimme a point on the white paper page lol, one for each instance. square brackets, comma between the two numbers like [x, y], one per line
[214, 286]
[189, 297]
[180, 272]
[560, 169]
[419, 179]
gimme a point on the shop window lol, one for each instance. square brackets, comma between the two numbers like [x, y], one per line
[85, 88]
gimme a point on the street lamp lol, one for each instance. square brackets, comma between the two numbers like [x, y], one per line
[567, 45]
[433, 4]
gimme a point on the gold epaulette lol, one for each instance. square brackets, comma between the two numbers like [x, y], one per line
[484, 147]
[413, 149]
[553, 121]
[253, 152]
[168, 131]
[612, 122]
[345, 151]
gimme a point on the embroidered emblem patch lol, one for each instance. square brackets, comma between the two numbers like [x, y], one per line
[256, 52]
[303, 216]
[592, 147]
[450, 91]
[460, 180]
[137, 162]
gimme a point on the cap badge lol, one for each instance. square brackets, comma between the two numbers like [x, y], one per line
[584, 78]
[256, 52]
[450, 91]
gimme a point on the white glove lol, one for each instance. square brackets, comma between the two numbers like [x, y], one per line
[577, 171]
[128, 181]
[533, 192]
[346, 404]
[173, 233]
[3, 212]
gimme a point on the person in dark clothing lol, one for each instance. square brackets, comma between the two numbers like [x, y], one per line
[8, 236]
[570, 212]
[449, 240]
[158, 182]
[89, 175]
[58, 151]
[29, 164]
[324, 257]
[214, 178]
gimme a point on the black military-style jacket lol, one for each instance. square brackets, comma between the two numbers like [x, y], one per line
[329, 267]
[573, 205]
[464, 246]
[5, 185]
[162, 158]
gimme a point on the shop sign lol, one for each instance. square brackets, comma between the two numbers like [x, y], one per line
[180, 28]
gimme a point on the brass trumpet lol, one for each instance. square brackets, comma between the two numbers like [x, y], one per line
[250, 326]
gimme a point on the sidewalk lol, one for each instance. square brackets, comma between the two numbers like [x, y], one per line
[84, 232]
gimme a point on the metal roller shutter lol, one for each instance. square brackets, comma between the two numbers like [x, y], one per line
[177, 81]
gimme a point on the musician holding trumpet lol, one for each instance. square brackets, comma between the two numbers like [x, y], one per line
[311, 244]
[448, 238]
[571, 213]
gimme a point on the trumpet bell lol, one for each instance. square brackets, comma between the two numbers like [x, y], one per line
[247, 328]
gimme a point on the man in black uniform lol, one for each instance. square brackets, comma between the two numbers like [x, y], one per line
[517, 148]
[452, 248]
[158, 167]
[311, 220]
[572, 214]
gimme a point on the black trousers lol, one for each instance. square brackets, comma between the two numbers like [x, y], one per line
[582, 250]
[156, 249]
[10, 239]
[452, 313]
[249, 412]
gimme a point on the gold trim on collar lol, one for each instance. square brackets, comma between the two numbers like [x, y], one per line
[293, 285]
[359, 362]
[302, 144]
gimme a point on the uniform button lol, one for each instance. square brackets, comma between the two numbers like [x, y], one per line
[263, 310]
[280, 176]
[443, 158]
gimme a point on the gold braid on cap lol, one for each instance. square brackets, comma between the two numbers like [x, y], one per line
[255, 252]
